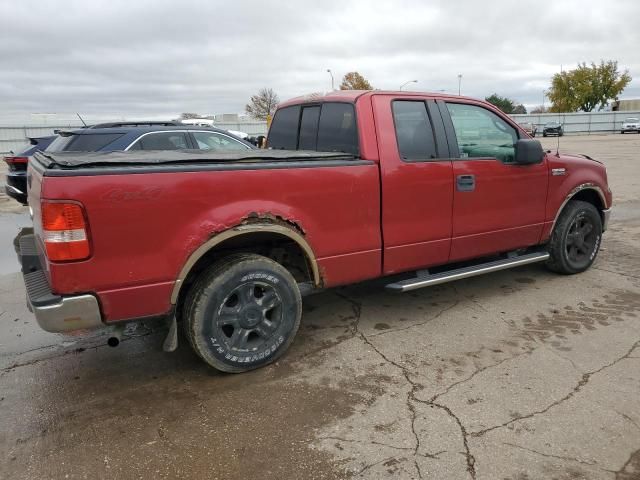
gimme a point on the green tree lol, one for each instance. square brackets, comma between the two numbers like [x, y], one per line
[587, 87]
[503, 103]
[355, 81]
[263, 104]
[520, 109]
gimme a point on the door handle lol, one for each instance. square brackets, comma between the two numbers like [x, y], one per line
[466, 183]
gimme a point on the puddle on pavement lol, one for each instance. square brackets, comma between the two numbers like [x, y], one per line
[10, 225]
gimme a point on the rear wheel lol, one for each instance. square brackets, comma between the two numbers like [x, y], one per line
[242, 313]
[576, 238]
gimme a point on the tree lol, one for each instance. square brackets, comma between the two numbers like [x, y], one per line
[187, 115]
[520, 109]
[355, 81]
[587, 87]
[263, 104]
[503, 103]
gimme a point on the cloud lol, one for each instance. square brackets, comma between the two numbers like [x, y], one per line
[160, 58]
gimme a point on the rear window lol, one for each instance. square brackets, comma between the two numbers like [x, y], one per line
[284, 129]
[91, 142]
[337, 128]
[330, 127]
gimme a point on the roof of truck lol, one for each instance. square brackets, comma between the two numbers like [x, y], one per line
[353, 95]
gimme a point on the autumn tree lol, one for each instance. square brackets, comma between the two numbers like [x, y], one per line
[355, 81]
[587, 87]
[263, 104]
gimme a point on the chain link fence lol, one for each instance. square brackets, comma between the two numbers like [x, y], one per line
[580, 123]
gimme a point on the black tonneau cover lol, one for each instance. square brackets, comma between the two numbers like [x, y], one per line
[71, 160]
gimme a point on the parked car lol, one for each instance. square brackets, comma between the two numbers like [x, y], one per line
[149, 136]
[630, 124]
[226, 244]
[553, 128]
[16, 186]
[530, 128]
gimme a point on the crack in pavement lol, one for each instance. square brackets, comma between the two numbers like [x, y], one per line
[583, 381]
[560, 457]
[411, 395]
[371, 442]
[478, 371]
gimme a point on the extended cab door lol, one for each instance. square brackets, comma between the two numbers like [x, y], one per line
[417, 182]
[498, 205]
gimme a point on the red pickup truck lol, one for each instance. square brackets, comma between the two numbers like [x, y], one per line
[421, 188]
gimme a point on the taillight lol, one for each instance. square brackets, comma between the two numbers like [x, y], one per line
[64, 231]
[11, 161]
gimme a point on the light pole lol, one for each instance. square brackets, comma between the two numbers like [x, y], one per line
[331, 73]
[407, 83]
[544, 94]
[459, 82]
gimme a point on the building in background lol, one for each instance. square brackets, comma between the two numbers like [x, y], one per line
[632, 105]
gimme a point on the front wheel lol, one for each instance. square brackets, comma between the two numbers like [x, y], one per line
[576, 238]
[242, 313]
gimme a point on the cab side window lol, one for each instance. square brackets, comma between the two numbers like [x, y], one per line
[413, 130]
[482, 134]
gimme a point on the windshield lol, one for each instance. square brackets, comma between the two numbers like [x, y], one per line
[552, 124]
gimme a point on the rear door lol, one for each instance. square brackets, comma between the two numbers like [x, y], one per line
[417, 182]
[498, 205]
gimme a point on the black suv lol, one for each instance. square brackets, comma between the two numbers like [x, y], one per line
[108, 137]
[552, 128]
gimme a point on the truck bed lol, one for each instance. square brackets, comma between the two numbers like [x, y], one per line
[147, 212]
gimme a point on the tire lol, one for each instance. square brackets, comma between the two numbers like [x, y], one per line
[576, 238]
[544, 134]
[242, 313]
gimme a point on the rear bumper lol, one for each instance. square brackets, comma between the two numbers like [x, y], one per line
[54, 313]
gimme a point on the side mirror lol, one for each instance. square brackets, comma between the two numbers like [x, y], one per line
[528, 151]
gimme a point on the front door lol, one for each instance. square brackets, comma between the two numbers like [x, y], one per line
[498, 205]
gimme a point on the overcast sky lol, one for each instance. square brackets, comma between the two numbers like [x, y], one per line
[159, 58]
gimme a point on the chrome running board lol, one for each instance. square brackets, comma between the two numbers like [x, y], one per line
[466, 272]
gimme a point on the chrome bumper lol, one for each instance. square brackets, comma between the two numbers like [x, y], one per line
[54, 313]
[606, 215]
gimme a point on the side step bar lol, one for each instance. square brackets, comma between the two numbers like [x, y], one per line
[466, 272]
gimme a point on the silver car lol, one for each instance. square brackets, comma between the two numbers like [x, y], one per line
[631, 124]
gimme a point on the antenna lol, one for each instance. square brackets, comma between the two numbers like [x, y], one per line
[558, 144]
[83, 122]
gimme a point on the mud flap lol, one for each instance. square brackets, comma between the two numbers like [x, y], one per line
[171, 341]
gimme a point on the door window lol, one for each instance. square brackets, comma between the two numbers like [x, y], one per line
[217, 142]
[482, 134]
[161, 141]
[413, 130]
